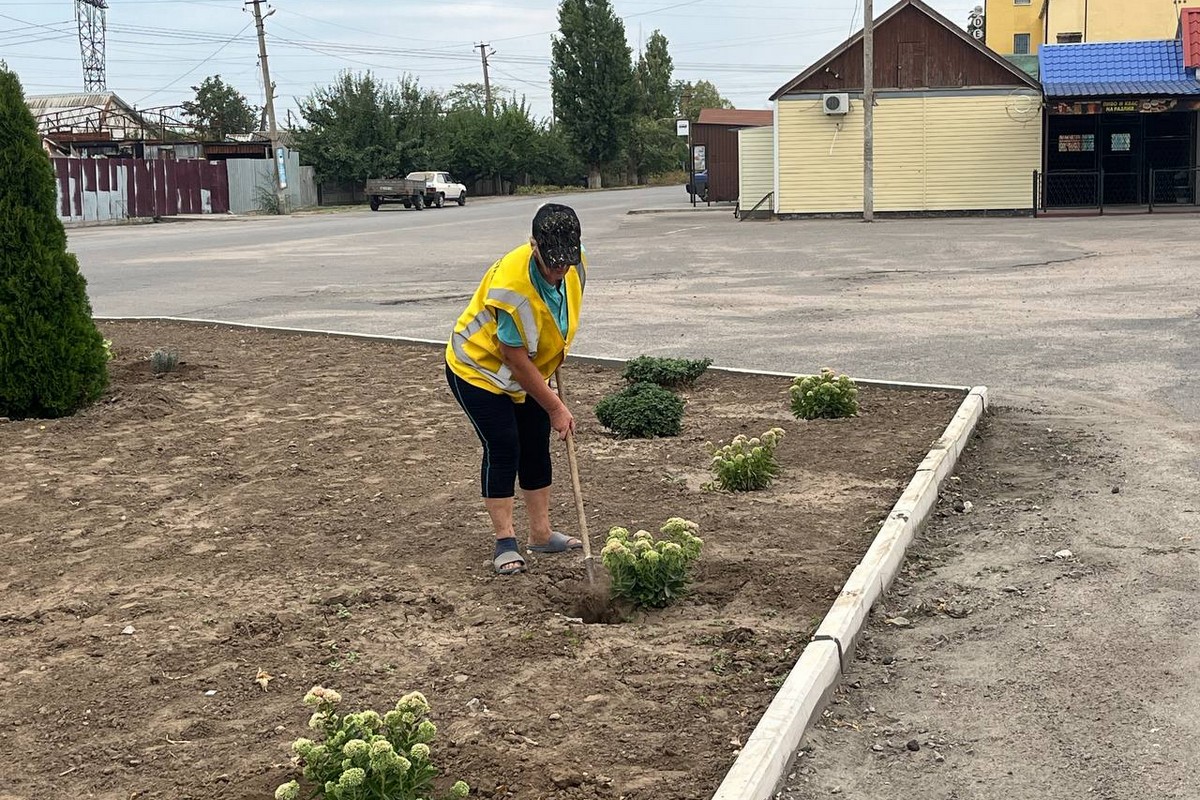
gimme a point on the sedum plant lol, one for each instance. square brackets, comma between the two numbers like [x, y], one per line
[652, 573]
[744, 464]
[365, 756]
[641, 411]
[163, 361]
[672, 373]
[824, 396]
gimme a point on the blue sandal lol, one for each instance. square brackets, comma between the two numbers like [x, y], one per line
[559, 543]
[510, 562]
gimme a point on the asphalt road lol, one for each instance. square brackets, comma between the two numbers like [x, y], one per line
[1094, 322]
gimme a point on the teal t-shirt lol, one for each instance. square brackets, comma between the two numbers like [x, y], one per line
[556, 300]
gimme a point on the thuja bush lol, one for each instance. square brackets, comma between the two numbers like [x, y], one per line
[745, 464]
[824, 396]
[649, 572]
[366, 756]
[52, 358]
[672, 373]
[641, 411]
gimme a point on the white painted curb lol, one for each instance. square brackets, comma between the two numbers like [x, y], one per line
[768, 752]
[760, 767]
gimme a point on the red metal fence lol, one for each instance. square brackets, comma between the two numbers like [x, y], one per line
[95, 190]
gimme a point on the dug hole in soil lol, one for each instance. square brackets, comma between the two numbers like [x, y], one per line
[309, 507]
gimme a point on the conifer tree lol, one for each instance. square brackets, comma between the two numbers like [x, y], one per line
[52, 358]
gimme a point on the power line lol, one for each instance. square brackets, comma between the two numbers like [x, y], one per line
[211, 56]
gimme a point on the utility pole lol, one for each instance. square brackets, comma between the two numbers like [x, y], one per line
[487, 81]
[272, 130]
[868, 111]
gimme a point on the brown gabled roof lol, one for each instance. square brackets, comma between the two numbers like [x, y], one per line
[736, 117]
[1020, 76]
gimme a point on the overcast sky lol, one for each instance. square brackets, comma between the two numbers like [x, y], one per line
[158, 49]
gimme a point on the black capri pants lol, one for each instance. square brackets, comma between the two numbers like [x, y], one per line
[515, 437]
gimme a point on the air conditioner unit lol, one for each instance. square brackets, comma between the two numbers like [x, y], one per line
[836, 104]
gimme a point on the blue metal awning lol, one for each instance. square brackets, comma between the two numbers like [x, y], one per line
[1109, 69]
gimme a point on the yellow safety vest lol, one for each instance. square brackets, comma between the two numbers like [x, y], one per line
[473, 352]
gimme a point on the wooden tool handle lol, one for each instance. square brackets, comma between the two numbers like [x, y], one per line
[573, 460]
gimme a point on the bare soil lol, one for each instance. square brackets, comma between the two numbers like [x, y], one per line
[1030, 667]
[308, 506]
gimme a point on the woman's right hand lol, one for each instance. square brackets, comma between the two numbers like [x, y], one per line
[562, 421]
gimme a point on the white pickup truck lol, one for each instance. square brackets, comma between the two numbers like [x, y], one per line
[440, 187]
[417, 190]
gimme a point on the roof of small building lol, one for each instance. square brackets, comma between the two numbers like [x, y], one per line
[1102, 69]
[736, 117]
[63, 102]
[1189, 24]
[1020, 77]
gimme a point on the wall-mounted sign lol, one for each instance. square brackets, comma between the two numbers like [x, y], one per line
[281, 159]
[1130, 106]
[683, 127]
[1120, 106]
[699, 158]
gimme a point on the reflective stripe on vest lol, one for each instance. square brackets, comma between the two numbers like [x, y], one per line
[501, 378]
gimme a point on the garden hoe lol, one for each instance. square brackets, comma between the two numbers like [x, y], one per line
[594, 605]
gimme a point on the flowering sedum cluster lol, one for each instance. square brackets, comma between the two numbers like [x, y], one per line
[824, 396]
[744, 464]
[652, 573]
[366, 756]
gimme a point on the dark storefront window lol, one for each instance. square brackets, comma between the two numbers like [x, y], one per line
[1120, 159]
[1076, 142]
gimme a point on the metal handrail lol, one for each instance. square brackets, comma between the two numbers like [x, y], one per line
[758, 205]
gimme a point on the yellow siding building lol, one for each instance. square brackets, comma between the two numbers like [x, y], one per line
[1019, 27]
[756, 166]
[957, 128]
[933, 152]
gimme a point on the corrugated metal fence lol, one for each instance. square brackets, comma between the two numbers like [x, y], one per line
[97, 190]
[250, 179]
[102, 190]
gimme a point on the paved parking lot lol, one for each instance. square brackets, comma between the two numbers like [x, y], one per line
[1090, 323]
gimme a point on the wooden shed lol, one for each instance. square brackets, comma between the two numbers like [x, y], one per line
[717, 132]
[957, 128]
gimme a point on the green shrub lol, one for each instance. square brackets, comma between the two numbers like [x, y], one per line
[641, 411]
[52, 358]
[539, 189]
[672, 373]
[744, 464]
[652, 573]
[365, 756]
[824, 396]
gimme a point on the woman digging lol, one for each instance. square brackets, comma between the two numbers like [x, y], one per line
[504, 349]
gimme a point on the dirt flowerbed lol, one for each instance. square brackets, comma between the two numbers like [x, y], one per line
[308, 507]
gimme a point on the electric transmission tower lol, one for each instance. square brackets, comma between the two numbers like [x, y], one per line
[91, 17]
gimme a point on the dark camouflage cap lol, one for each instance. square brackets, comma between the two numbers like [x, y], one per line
[556, 231]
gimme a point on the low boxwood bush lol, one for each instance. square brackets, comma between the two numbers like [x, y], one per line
[641, 411]
[744, 464]
[673, 373]
[649, 572]
[824, 396]
[368, 756]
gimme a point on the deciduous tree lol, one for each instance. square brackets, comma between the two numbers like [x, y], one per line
[591, 77]
[698, 95]
[219, 110]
